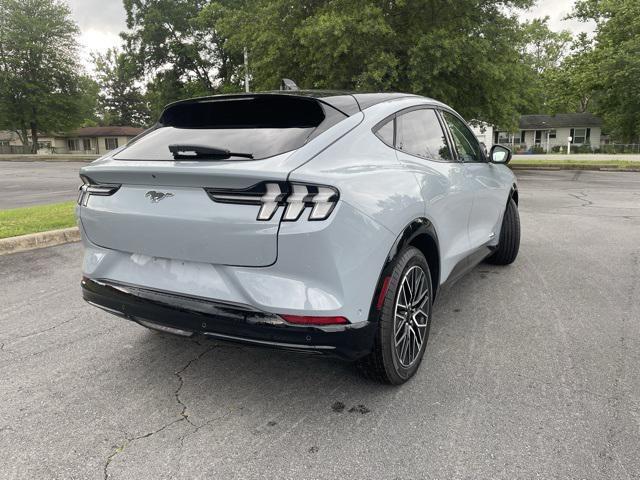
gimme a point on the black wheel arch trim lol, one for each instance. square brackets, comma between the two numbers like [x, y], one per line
[514, 193]
[418, 227]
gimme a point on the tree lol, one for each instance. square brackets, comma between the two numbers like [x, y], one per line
[167, 35]
[40, 87]
[543, 51]
[543, 48]
[468, 54]
[121, 101]
[572, 86]
[614, 62]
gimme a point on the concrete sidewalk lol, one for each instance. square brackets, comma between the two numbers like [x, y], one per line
[595, 157]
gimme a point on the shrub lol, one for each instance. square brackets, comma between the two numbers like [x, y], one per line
[585, 149]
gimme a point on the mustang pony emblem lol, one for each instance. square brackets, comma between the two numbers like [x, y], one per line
[155, 197]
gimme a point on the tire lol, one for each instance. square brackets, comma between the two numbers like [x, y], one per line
[509, 243]
[387, 363]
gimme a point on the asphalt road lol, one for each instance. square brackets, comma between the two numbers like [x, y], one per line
[23, 184]
[532, 371]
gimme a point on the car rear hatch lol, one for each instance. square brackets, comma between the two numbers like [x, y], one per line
[160, 196]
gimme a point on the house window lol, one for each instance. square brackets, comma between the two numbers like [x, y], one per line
[523, 136]
[73, 144]
[552, 134]
[579, 136]
[86, 144]
[110, 143]
[504, 137]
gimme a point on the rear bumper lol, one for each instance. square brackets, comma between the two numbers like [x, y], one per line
[224, 321]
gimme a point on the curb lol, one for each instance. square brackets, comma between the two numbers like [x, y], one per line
[34, 241]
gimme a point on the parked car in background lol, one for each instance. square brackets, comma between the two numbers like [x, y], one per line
[318, 222]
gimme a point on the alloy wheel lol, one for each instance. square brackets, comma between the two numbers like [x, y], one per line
[411, 316]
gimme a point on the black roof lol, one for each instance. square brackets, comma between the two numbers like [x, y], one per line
[533, 122]
[347, 102]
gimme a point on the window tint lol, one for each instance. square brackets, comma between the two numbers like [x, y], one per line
[419, 133]
[260, 125]
[385, 133]
[466, 142]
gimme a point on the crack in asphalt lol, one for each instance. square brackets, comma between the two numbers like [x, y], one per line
[33, 334]
[582, 196]
[61, 345]
[184, 416]
[178, 374]
[184, 437]
[121, 448]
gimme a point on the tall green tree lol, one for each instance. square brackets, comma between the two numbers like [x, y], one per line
[468, 53]
[121, 100]
[40, 87]
[614, 63]
[572, 86]
[543, 51]
[168, 35]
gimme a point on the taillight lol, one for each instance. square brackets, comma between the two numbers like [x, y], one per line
[89, 187]
[295, 197]
[308, 320]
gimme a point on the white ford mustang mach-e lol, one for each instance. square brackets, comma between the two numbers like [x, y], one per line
[320, 222]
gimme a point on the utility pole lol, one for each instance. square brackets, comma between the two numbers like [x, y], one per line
[246, 70]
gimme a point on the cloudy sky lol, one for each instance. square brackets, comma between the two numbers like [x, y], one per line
[101, 20]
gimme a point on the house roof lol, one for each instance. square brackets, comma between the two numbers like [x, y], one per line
[105, 132]
[571, 120]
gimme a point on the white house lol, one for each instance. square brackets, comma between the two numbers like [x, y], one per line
[552, 132]
[88, 140]
[484, 132]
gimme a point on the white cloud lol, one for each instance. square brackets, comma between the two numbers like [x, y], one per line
[100, 22]
[557, 11]
[93, 40]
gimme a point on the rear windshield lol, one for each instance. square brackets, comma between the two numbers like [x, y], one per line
[254, 126]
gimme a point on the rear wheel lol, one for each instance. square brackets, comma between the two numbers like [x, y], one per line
[509, 244]
[403, 328]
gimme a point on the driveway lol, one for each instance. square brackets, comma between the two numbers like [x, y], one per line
[531, 371]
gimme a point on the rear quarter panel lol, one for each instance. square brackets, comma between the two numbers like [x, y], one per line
[368, 174]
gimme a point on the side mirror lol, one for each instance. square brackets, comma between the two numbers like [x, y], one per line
[500, 154]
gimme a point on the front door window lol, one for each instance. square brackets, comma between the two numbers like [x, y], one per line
[465, 141]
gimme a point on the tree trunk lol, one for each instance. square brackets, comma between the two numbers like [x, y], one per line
[34, 137]
[23, 135]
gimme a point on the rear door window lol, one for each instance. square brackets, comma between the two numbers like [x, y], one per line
[419, 133]
[386, 132]
[260, 126]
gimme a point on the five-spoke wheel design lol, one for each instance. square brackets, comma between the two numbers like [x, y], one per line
[411, 316]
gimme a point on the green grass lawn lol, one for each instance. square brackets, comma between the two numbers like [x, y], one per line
[21, 221]
[578, 164]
